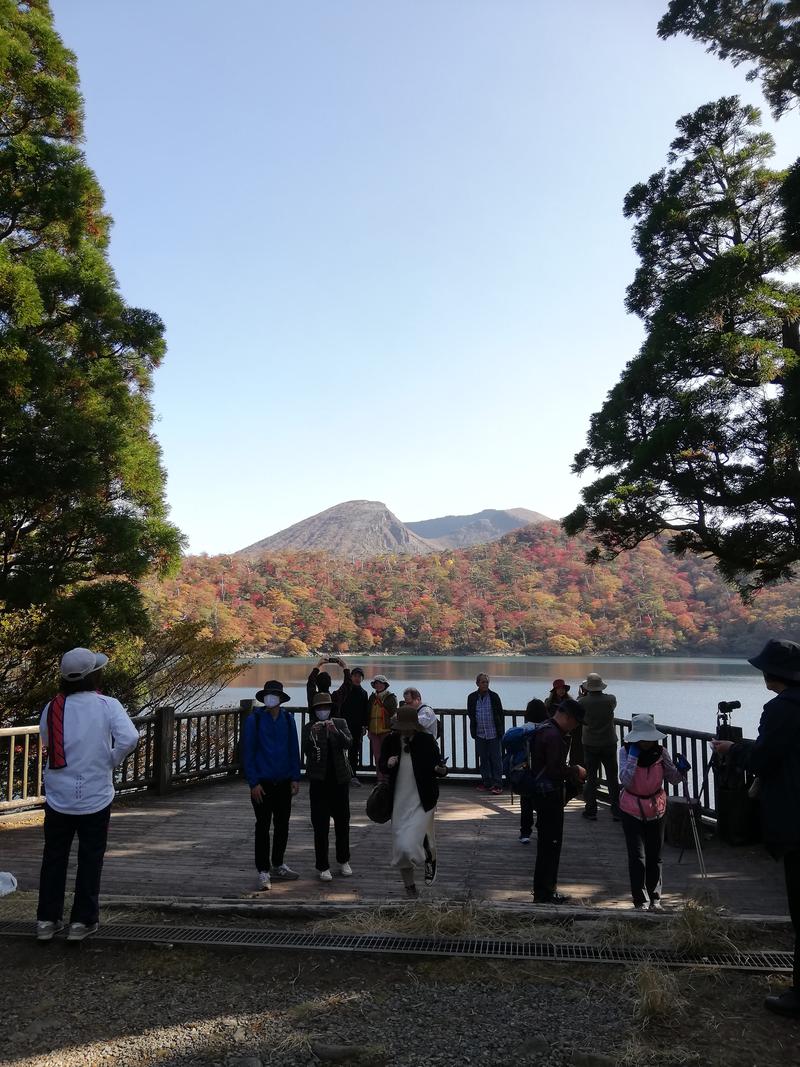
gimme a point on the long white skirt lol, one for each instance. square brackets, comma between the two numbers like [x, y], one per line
[410, 824]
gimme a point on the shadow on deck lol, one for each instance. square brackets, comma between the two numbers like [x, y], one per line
[198, 843]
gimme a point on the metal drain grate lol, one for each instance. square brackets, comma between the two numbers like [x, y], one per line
[484, 948]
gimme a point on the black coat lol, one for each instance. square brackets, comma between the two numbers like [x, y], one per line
[775, 757]
[425, 758]
[497, 712]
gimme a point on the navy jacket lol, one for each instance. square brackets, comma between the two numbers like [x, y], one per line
[269, 747]
[775, 757]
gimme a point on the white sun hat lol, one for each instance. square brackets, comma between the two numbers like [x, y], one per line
[643, 728]
[80, 662]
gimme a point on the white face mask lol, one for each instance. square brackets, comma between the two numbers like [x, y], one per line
[323, 713]
[271, 700]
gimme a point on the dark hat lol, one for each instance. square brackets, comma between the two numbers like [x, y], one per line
[573, 708]
[406, 720]
[357, 670]
[322, 700]
[781, 659]
[272, 687]
[559, 683]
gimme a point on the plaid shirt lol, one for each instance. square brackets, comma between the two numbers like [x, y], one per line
[484, 718]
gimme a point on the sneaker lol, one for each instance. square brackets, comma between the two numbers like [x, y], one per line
[497, 791]
[412, 891]
[481, 788]
[556, 898]
[80, 931]
[354, 782]
[787, 1003]
[325, 876]
[284, 873]
[590, 815]
[346, 870]
[655, 905]
[642, 907]
[263, 880]
[524, 839]
[46, 931]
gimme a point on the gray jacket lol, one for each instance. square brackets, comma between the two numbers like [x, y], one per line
[598, 726]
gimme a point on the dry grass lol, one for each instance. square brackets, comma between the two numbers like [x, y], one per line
[325, 1005]
[443, 919]
[656, 994]
[697, 928]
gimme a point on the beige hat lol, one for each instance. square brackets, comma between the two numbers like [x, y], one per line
[593, 683]
[405, 721]
[643, 728]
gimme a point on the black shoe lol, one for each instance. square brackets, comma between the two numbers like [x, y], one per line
[787, 1003]
[556, 898]
[591, 815]
[412, 891]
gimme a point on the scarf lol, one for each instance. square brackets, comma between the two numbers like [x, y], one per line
[55, 733]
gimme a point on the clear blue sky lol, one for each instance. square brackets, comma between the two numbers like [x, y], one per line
[386, 237]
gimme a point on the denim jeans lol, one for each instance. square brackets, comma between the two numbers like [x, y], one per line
[490, 761]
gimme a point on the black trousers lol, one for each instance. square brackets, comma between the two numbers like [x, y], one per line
[329, 800]
[594, 758]
[354, 750]
[550, 833]
[59, 832]
[644, 840]
[275, 808]
[525, 815]
[791, 866]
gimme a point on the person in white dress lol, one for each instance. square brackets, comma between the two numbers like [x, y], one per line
[413, 763]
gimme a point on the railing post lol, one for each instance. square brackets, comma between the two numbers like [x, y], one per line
[164, 733]
[245, 708]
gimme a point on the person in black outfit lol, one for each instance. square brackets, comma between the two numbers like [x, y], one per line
[774, 757]
[535, 712]
[351, 701]
[325, 744]
[556, 784]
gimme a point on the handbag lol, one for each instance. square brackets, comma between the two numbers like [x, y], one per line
[379, 803]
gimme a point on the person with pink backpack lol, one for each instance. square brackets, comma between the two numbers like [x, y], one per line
[644, 766]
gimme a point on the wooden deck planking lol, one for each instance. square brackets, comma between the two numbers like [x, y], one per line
[199, 842]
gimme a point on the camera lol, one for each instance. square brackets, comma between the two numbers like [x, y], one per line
[726, 732]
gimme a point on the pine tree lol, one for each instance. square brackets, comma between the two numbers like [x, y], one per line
[82, 511]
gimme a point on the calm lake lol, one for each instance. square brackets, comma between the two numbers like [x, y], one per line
[679, 692]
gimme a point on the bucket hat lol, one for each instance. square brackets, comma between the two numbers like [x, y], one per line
[322, 700]
[593, 683]
[276, 688]
[779, 658]
[643, 728]
[380, 678]
[78, 663]
[405, 721]
[559, 683]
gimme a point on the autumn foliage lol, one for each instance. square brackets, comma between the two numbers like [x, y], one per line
[530, 592]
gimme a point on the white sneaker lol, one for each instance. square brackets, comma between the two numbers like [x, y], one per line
[655, 905]
[46, 931]
[325, 876]
[79, 931]
[346, 870]
[264, 880]
[284, 873]
[642, 907]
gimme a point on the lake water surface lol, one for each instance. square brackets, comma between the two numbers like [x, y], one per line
[679, 692]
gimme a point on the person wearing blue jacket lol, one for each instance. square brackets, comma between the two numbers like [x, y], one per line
[271, 760]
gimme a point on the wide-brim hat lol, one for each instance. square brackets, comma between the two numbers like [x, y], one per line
[322, 700]
[380, 678]
[79, 663]
[593, 683]
[643, 728]
[781, 659]
[273, 688]
[559, 683]
[405, 721]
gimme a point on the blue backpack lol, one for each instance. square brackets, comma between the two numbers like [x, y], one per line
[517, 759]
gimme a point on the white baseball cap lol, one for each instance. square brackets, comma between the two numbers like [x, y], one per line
[79, 662]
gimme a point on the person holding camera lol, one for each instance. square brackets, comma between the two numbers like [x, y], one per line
[774, 757]
[325, 743]
[644, 766]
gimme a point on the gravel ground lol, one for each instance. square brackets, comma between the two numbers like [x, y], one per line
[132, 1006]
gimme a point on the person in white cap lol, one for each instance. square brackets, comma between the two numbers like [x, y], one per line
[382, 706]
[87, 735]
[599, 744]
[644, 766]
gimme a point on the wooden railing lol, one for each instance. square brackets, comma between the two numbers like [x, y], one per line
[191, 746]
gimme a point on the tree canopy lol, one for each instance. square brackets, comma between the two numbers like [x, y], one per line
[701, 434]
[82, 510]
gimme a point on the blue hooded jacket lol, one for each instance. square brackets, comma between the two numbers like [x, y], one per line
[270, 749]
